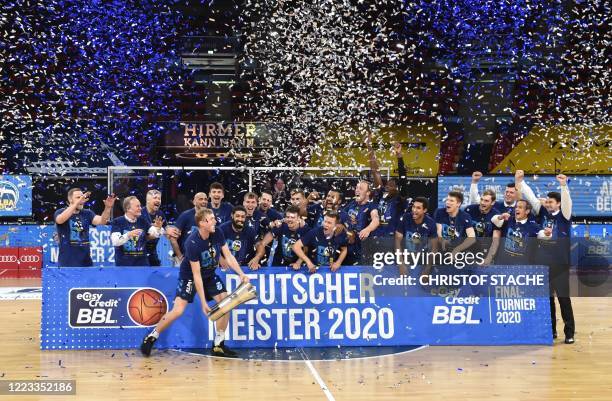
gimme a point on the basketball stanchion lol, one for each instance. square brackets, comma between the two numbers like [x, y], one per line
[244, 293]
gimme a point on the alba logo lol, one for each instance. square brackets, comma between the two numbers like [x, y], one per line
[147, 306]
[9, 196]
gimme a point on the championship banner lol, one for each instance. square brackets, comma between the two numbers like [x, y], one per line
[86, 308]
[15, 195]
[591, 195]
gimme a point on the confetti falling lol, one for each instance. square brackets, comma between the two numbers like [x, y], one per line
[364, 65]
[85, 79]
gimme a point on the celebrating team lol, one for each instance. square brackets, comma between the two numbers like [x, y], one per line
[310, 234]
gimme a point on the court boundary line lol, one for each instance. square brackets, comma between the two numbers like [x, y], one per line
[420, 347]
[316, 375]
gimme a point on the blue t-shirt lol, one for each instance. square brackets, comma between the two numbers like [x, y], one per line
[416, 236]
[260, 221]
[133, 252]
[185, 223]
[555, 250]
[151, 245]
[206, 251]
[285, 239]
[481, 222]
[223, 213]
[390, 211]
[502, 208]
[241, 244]
[518, 241]
[315, 215]
[356, 217]
[73, 235]
[454, 229]
[322, 250]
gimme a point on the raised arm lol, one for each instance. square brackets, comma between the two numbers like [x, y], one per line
[66, 214]
[104, 218]
[566, 199]
[474, 195]
[402, 181]
[374, 168]
[526, 191]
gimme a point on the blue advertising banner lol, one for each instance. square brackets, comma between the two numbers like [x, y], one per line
[591, 246]
[85, 308]
[45, 236]
[15, 195]
[591, 195]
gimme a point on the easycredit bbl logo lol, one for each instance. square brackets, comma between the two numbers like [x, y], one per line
[458, 310]
[115, 307]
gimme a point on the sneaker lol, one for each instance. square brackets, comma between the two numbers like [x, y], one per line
[147, 345]
[569, 340]
[222, 350]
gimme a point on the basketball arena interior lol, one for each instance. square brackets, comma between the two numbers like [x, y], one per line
[305, 200]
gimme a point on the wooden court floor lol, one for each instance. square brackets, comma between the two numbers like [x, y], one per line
[582, 371]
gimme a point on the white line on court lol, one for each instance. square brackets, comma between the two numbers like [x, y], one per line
[315, 374]
[20, 293]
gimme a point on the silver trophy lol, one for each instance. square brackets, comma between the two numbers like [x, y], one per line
[244, 293]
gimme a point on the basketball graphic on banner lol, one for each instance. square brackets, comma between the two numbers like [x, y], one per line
[146, 306]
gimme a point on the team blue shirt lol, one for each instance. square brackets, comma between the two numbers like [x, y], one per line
[390, 210]
[502, 208]
[416, 236]
[223, 213]
[322, 250]
[356, 217]
[286, 238]
[518, 241]
[555, 250]
[73, 235]
[241, 244]
[151, 245]
[260, 220]
[206, 251]
[481, 221]
[133, 252]
[185, 223]
[454, 229]
[315, 215]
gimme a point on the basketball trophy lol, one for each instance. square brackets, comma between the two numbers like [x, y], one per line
[244, 293]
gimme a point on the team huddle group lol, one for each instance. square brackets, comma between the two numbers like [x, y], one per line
[312, 233]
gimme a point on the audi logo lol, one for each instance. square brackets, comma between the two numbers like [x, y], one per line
[8, 258]
[29, 258]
